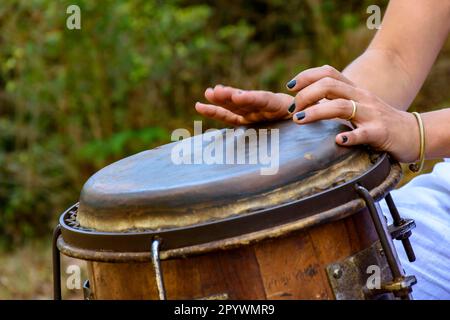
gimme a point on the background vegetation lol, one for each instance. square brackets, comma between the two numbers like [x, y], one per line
[72, 101]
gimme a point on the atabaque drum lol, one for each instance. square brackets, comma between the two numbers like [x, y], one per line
[304, 226]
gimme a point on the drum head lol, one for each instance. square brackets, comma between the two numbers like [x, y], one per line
[150, 191]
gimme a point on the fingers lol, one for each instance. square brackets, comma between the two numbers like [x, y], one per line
[326, 88]
[266, 104]
[338, 108]
[219, 113]
[225, 97]
[255, 99]
[354, 137]
[262, 101]
[309, 76]
[221, 95]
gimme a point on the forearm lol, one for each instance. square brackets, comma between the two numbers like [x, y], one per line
[437, 133]
[403, 51]
[382, 73]
[396, 89]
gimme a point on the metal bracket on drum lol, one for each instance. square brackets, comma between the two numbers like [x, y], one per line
[401, 286]
[157, 268]
[349, 278]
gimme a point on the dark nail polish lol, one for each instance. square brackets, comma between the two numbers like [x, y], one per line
[292, 108]
[291, 83]
[300, 115]
[344, 139]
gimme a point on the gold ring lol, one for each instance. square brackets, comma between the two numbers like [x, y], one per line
[353, 111]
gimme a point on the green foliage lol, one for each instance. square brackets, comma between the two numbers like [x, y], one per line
[123, 142]
[72, 101]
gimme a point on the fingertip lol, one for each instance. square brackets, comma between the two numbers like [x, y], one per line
[292, 107]
[342, 139]
[291, 84]
[198, 106]
[208, 91]
[300, 116]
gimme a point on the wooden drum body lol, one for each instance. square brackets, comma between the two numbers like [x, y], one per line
[152, 229]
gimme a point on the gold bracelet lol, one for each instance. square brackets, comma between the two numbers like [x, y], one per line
[418, 166]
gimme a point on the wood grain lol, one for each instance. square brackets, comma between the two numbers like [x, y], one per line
[291, 267]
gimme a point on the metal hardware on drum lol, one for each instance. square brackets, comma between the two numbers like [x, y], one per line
[348, 278]
[401, 285]
[401, 229]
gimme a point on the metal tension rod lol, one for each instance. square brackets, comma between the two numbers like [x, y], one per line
[398, 221]
[157, 267]
[56, 264]
[383, 234]
[387, 245]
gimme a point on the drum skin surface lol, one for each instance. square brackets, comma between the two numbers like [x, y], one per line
[149, 191]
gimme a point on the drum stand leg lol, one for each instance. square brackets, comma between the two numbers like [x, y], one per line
[157, 268]
[401, 284]
[56, 264]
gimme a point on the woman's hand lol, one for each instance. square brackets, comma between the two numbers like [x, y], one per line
[376, 123]
[321, 93]
[237, 107]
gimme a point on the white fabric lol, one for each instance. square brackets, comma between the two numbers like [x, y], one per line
[426, 199]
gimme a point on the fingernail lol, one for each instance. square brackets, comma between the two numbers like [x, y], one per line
[292, 108]
[344, 139]
[291, 83]
[300, 115]
[240, 92]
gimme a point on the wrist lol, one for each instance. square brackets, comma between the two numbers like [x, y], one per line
[407, 143]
